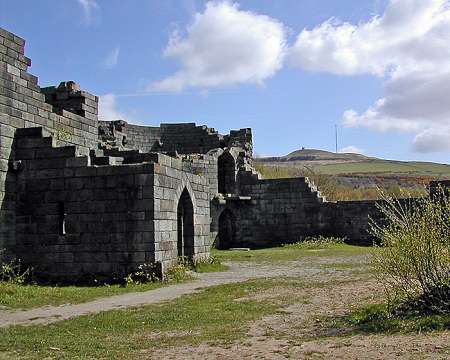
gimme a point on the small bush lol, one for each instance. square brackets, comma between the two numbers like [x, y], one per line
[146, 273]
[180, 271]
[414, 258]
[320, 242]
[13, 271]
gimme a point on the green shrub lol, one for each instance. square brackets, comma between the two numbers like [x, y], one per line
[13, 271]
[320, 242]
[414, 258]
[146, 273]
[180, 271]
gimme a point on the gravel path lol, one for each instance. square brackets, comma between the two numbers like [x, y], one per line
[238, 272]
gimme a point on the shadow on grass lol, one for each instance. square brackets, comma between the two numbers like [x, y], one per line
[377, 319]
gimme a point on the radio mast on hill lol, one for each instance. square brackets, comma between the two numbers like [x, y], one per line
[336, 136]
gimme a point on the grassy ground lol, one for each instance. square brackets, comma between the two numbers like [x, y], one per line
[210, 267]
[387, 167]
[376, 166]
[16, 296]
[280, 254]
[214, 315]
[29, 296]
[375, 318]
[328, 312]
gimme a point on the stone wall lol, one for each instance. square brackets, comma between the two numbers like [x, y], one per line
[170, 184]
[184, 138]
[22, 105]
[273, 212]
[279, 211]
[80, 221]
[76, 221]
[350, 219]
[206, 166]
[120, 134]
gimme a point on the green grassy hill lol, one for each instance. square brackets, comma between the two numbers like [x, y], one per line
[337, 164]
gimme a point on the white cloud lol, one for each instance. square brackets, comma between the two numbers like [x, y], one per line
[112, 58]
[433, 140]
[88, 8]
[408, 48]
[223, 46]
[351, 150]
[107, 109]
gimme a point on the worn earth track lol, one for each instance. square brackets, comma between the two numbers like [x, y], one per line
[299, 331]
[238, 272]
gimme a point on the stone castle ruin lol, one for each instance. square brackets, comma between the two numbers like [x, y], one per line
[82, 197]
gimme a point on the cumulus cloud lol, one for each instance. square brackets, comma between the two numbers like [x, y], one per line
[351, 150]
[433, 140]
[107, 109]
[407, 47]
[88, 8]
[112, 58]
[224, 45]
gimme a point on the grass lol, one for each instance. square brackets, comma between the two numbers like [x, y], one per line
[287, 253]
[218, 314]
[386, 167]
[376, 318]
[29, 296]
[329, 181]
[20, 296]
[210, 267]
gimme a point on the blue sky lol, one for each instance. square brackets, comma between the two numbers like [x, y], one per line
[145, 58]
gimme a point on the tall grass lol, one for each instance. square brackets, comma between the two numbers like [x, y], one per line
[414, 258]
[330, 187]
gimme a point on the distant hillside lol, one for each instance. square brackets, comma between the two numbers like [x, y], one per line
[318, 155]
[327, 162]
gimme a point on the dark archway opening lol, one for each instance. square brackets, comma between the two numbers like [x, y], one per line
[226, 174]
[185, 226]
[227, 230]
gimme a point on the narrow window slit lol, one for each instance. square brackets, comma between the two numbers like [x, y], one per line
[62, 218]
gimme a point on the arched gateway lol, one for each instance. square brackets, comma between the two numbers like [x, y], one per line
[185, 228]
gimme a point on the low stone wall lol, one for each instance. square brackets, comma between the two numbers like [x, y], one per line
[350, 219]
[276, 212]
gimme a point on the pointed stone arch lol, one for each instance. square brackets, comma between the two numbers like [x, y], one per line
[185, 208]
[226, 169]
[185, 225]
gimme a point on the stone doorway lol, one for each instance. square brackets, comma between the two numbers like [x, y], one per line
[185, 226]
[226, 173]
[227, 230]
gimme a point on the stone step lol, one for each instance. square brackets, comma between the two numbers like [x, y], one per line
[107, 160]
[59, 152]
[32, 132]
[34, 142]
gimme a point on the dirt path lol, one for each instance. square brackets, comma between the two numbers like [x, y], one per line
[238, 272]
[302, 331]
